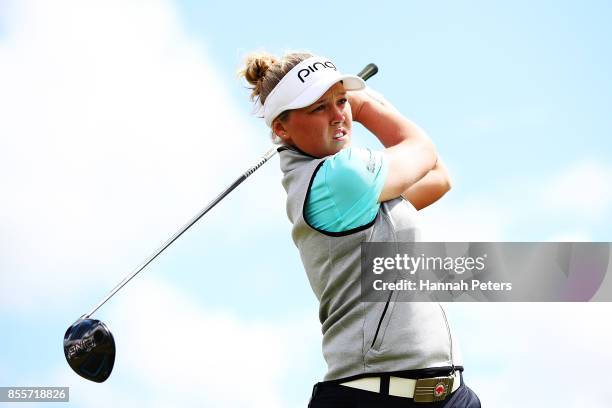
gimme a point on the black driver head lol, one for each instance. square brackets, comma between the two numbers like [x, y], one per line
[89, 348]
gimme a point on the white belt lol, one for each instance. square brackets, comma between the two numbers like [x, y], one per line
[405, 387]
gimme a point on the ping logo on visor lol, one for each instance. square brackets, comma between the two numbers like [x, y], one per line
[303, 85]
[304, 72]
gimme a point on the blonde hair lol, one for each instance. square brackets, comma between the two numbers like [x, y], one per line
[263, 71]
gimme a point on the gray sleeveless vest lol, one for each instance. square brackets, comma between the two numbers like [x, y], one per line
[362, 337]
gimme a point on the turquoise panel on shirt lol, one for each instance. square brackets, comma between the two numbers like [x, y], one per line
[344, 194]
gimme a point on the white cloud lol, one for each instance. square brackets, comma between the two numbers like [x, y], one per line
[531, 354]
[583, 190]
[571, 236]
[475, 219]
[571, 202]
[536, 354]
[209, 357]
[171, 352]
[116, 130]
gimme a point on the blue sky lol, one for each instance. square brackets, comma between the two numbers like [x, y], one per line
[509, 92]
[121, 120]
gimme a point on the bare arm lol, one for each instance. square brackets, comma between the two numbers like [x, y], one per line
[430, 188]
[409, 151]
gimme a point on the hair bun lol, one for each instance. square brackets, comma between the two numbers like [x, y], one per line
[263, 71]
[256, 66]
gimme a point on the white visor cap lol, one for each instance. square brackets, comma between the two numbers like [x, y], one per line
[303, 85]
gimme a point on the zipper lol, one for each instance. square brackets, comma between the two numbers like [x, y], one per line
[450, 339]
[382, 316]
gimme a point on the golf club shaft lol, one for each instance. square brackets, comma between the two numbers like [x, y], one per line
[214, 202]
[365, 73]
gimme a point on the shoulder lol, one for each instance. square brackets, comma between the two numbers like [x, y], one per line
[345, 190]
[354, 160]
[352, 156]
[353, 165]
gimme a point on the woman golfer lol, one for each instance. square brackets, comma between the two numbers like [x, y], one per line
[393, 354]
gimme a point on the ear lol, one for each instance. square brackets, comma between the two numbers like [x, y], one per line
[280, 130]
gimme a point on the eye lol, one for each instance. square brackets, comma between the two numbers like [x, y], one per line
[318, 108]
[342, 101]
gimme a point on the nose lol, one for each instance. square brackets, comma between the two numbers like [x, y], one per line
[337, 114]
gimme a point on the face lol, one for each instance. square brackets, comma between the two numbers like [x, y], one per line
[321, 129]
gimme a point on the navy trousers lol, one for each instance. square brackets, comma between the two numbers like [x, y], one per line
[329, 394]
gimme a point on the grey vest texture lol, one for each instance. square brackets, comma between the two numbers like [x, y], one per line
[363, 337]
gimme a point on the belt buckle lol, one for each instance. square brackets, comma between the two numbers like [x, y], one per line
[433, 389]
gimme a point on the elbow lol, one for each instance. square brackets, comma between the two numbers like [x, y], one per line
[444, 179]
[443, 187]
[429, 153]
[447, 184]
[444, 184]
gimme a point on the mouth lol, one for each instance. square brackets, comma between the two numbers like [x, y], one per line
[340, 134]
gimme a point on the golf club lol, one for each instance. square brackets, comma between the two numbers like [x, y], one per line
[89, 346]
